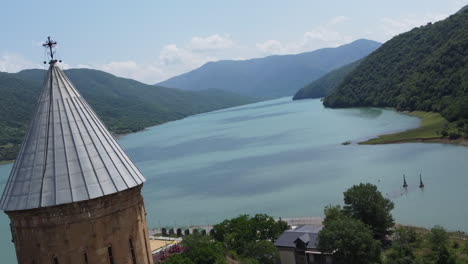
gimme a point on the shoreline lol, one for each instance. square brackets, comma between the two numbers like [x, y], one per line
[427, 132]
[459, 142]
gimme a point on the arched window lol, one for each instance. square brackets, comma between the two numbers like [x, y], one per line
[109, 252]
[132, 250]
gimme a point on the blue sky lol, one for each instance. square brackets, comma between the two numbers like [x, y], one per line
[153, 40]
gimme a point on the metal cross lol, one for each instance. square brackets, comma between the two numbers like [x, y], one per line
[50, 43]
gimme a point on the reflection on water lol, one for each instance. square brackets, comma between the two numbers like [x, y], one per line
[363, 112]
[285, 159]
[370, 112]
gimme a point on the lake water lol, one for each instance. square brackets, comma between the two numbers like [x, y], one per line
[285, 159]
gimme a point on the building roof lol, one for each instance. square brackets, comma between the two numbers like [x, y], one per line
[68, 155]
[304, 238]
[308, 234]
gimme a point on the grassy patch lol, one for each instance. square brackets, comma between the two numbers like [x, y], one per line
[431, 125]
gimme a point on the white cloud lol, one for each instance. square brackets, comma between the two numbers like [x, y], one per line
[85, 66]
[11, 62]
[270, 47]
[172, 55]
[66, 66]
[323, 36]
[174, 59]
[334, 33]
[210, 43]
[326, 35]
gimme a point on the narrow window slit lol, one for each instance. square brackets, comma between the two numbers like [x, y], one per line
[132, 250]
[111, 258]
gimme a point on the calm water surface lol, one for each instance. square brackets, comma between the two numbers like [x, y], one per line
[285, 159]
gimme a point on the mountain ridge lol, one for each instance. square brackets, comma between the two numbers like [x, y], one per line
[271, 76]
[124, 105]
[325, 84]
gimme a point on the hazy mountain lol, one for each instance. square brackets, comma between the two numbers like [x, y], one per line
[123, 104]
[273, 76]
[325, 84]
[423, 69]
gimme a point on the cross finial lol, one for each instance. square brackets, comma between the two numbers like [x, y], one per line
[50, 44]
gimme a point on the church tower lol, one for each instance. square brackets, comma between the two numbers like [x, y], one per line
[73, 195]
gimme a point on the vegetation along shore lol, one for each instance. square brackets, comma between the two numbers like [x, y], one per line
[433, 129]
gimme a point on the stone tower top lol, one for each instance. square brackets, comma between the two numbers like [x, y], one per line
[68, 155]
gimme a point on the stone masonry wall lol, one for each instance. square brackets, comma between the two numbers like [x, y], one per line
[84, 232]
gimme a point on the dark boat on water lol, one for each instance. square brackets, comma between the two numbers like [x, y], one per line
[421, 184]
[404, 182]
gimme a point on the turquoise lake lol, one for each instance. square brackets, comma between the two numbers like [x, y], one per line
[285, 159]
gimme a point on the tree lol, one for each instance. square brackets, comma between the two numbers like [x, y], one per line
[267, 228]
[263, 251]
[178, 259]
[203, 250]
[404, 242]
[366, 203]
[251, 237]
[438, 239]
[237, 232]
[348, 239]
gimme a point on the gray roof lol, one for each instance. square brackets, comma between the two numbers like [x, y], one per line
[306, 233]
[304, 238]
[68, 155]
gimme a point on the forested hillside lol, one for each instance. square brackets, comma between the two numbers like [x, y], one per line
[124, 105]
[424, 69]
[326, 84]
[272, 76]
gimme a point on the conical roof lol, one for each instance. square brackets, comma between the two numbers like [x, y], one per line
[68, 155]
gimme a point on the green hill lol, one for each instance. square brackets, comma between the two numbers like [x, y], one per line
[326, 84]
[424, 69]
[124, 105]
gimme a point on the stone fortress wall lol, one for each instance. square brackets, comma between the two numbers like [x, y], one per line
[109, 229]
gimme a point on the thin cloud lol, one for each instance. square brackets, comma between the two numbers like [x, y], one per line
[12, 62]
[210, 43]
[327, 35]
[174, 59]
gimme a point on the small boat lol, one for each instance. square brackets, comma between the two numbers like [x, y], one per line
[404, 182]
[421, 184]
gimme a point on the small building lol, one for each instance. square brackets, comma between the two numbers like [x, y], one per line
[299, 246]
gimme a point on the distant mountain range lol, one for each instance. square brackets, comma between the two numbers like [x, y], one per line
[325, 84]
[423, 69]
[273, 76]
[123, 104]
